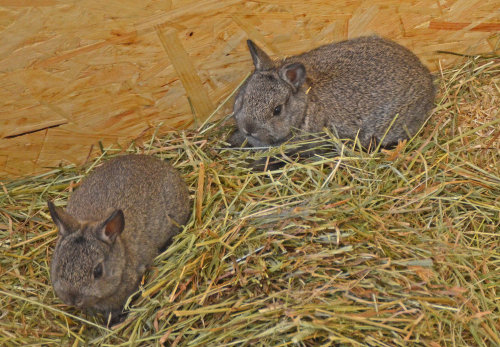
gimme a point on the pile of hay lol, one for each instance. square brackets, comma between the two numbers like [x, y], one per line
[393, 248]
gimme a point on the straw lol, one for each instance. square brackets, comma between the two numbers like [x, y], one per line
[394, 248]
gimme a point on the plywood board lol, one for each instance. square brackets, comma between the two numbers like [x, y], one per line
[73, 73]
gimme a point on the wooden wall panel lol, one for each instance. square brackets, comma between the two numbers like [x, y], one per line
[73, 73]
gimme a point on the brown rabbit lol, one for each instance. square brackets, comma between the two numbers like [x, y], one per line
[354, 87]
[113, 227]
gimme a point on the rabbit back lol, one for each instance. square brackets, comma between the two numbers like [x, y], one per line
[149, 191]
[358, 86]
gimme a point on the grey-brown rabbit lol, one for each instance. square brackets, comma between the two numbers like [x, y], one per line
[354, 87]
[114, 225]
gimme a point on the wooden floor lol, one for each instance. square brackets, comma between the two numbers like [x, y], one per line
[76, 73]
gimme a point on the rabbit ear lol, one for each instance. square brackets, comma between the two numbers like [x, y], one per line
[261, 60]
[64, 222]
[112, 227]
[293, 74]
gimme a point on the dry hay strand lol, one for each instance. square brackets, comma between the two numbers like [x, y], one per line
[385, 249]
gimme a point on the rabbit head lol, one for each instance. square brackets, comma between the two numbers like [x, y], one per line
[272, 102]
[86, 269]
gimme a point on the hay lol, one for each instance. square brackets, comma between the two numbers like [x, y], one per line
[388, 249]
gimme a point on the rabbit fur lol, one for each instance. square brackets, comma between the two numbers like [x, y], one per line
[354, 87]
[113, 227]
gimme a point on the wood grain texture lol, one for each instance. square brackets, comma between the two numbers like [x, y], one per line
[73, 73]
[191, 82]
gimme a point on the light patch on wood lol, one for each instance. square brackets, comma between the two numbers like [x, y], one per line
[187, 73]
[254, 34]
[360, 21]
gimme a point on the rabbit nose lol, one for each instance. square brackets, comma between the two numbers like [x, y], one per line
[74, 299]
[249, 129]
[79, 302]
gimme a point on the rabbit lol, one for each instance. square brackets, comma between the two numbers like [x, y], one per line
[354, 87]
[114, 225]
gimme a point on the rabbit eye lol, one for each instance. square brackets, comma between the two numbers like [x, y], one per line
[277, 110]
[98, 271]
